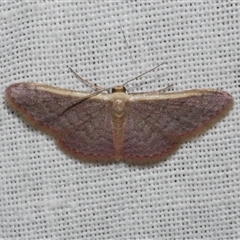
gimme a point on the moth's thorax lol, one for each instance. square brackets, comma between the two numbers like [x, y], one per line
[118, 121]
[118, 109]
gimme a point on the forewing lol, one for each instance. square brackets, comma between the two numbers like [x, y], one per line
[83, 129]
[156, 126]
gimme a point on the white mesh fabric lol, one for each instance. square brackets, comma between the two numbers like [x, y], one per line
[45, 194]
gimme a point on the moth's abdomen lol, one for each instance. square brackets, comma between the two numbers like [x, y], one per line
[118, 121]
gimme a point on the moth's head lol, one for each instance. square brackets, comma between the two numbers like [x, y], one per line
[119, 89]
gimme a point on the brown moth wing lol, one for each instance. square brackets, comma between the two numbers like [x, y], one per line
[157, 124]
[83, 130]
[153, 125]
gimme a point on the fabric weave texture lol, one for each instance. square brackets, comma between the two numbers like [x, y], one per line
[194, 194]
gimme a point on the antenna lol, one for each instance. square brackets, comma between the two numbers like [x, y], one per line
[144, 73]
[94, 86]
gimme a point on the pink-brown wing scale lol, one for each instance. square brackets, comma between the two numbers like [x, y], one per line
[156, 127]
[83, 130]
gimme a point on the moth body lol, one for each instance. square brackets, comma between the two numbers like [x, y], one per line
[138, 128]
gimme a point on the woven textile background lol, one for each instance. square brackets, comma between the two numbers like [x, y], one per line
[195, 193]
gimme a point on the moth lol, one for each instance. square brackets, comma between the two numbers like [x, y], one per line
[139, 128]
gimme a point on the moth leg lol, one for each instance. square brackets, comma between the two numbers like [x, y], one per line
[155, 92]
[160, 90]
